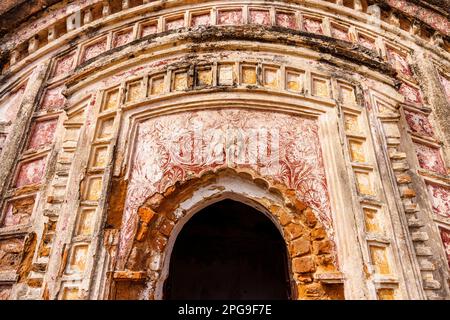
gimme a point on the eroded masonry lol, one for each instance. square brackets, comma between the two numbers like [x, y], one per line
[121, 120]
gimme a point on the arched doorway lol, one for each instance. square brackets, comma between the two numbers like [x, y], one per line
[228, 250]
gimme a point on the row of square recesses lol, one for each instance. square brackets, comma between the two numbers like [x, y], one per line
[76, 265]
[30, 172]
[228, 74]
[429, 154]
[374, 217]
[31, 169]
[223, 16]
[430, 158]
[359, 152]
[380, 254]
[264, 15]
[91, 191]
[427, 150]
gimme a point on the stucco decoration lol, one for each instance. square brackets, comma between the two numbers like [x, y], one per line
[175, 24]
[399, 63]
[430, 158]
[201, 20]
[313, 25]
[53, 99]
[445, 235]
[419, 123]
[10, 106]
[260, 17]
[230, 17]
[446, 84]
[94, 49]
[340, 33]
[5, 292]
[440, 197]
[122, 38]
[367, 42]
[410, 93]
[173, 148]
[31, 172]
[42, 134]
[435, 20]
[64, 65]
[286, 20]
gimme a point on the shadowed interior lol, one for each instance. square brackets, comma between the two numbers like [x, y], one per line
[228, 251]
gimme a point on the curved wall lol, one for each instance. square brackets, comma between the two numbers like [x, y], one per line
[101, 104]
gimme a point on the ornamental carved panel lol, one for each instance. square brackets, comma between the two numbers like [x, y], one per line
[173, 148]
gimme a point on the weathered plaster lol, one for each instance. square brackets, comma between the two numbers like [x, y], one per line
[100, 106]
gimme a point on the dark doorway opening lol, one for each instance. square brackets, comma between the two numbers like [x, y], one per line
[228, 251]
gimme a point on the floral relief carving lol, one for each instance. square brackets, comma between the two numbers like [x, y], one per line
[445, 236]
[440, 197]
[9, 108]
[446, 84]
[366, 42]
[122, 38]
[53, 99]
[230, 17]
[430, 158]
[340, 34]
[149, 29]
[411, 94]
[64, 65]
[419, 123]
[175, 24]
[18, 211]
[313, 25]
[399, 63]
[93, 50]
[31, 172]
[5, 291]
[286, 20]
[42, 134]
[173, 148]
[260, 17]
[201, 20]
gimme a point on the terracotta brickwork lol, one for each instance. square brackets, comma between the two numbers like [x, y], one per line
[312, 255]
[120, 120]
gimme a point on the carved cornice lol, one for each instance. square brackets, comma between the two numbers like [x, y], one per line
[15, 12]
[441, 6]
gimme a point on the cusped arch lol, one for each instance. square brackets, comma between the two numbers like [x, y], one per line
[311, 253]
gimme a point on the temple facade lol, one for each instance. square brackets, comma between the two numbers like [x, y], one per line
[295, 149]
